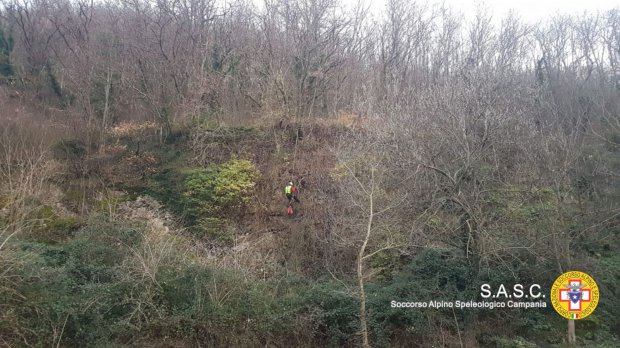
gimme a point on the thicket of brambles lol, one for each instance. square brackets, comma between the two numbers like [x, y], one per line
[145, 145]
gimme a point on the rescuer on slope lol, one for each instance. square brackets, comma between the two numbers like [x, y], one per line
[290, 192]
[291, 195]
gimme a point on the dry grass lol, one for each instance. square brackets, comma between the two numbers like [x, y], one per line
[134, 129]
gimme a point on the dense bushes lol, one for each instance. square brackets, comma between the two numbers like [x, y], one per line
[213, 189]
[119, 284]
[6, 46]
[210, 194]
[123, 284]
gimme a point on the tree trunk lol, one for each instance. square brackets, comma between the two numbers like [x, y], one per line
[360, 276]
[106, 108]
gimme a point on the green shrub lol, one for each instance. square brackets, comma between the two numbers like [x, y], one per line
[337, 310]
[216, 188]
[77, 285]
[6, 46]
[387, 263]
[110, 203]
[215, 228]
[51, 227]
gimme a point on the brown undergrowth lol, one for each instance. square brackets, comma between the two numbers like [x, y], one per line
[267, 239]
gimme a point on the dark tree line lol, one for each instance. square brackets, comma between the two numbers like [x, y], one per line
[303, 58]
